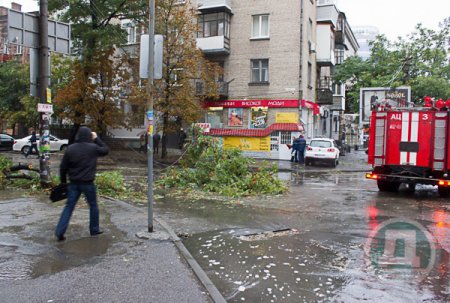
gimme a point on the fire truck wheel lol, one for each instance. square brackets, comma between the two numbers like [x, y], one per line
[411, 187]
[443, 191]
[388, 186]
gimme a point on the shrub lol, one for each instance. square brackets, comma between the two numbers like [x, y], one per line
[110, 183]
[208, 167]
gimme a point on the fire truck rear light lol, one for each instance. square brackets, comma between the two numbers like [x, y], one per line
[441, 182]
[371, 176]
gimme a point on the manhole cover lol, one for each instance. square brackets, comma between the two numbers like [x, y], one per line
[269, 234]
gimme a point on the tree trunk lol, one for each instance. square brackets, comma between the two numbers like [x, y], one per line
[164, 136]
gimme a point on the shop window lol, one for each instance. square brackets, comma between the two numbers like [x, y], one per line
[286, 138]
[215, 118]
[260, 26]
[260, 71]
[274, 141]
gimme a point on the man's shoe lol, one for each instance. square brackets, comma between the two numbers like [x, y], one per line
[60, 238]
[97, 233]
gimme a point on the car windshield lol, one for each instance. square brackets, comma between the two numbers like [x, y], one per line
[320, 143]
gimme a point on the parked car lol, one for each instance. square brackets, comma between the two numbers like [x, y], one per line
[322, 150]
[56, 144]
[6, 142]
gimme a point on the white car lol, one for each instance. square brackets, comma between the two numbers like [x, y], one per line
[56, 144]
[322, 150]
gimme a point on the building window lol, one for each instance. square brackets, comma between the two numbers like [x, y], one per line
[309, 75]
[260, 26]
[176, 77]
[309, 29]
[339, 56]
[337, 89]
[260, 71]
[133, 32]
[212, 25]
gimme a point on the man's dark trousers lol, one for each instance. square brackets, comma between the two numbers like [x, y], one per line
[74, 192]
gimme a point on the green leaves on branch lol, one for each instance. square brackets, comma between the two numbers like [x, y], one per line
[209, 168]
[419, 61]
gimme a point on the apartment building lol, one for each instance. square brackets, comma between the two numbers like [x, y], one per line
[278, 59]
[335, 43]
[266, 48]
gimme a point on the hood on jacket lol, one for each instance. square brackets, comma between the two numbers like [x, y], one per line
[84, 134]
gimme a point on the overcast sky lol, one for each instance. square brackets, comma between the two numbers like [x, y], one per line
[395, 17]
[392, 17]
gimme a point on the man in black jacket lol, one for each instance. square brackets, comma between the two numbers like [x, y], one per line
[80, 161]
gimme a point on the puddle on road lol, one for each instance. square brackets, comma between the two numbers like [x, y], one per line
[273, 270]
[72, 254]
[28, 248]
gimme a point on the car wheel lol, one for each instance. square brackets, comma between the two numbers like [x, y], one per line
[334, 162]
[63, 148]
[25, 149]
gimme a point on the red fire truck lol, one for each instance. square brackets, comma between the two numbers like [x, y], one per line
[411, 145]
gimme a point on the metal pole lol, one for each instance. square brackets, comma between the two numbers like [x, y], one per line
[44, 167]
[151, 63]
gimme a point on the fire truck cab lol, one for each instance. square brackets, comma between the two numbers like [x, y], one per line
[411, 145]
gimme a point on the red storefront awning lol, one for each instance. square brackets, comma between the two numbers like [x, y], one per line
[253, 103]
[311, 105]
[294, 127]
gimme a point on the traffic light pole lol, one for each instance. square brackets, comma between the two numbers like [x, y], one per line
[149, 114]
[43, 77]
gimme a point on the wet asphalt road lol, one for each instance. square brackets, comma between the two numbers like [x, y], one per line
[331, 231]
[328, 256]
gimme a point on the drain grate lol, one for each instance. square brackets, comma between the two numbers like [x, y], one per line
[269, 234]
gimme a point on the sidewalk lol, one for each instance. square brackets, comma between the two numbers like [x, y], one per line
[116, 266]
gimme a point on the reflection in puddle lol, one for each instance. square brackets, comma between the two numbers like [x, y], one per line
[72, 254]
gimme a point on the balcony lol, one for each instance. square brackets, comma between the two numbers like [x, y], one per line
[339, 37]
[222, 87]
[215, 45]
[324, 91]
[212, 6]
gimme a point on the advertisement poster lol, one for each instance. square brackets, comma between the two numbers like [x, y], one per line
[235, 117]
[247, 143]
[375, 98]
[258, 117]
[286, 117]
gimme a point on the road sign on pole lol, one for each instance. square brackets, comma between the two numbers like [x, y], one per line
[23, 29]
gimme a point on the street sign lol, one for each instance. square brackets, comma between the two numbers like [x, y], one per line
[49, 95]
[158, 55]
[45, 108]
[23, 29]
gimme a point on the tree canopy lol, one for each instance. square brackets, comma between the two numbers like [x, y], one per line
[421, 60]
[16, 106]
[184, 67]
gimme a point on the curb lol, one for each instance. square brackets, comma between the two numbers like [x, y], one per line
[214, 293]
[324, 171]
